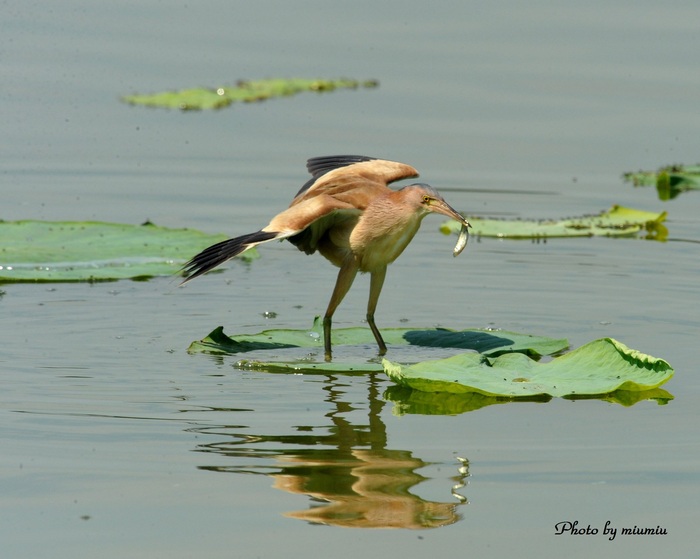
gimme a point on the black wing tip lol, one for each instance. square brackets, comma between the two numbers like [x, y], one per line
[217, 254]
[319, 166]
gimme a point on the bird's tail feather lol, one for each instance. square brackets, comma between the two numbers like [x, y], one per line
[219, 253]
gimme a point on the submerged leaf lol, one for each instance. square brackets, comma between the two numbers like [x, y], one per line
[246, 91]
[670, 181]
[599, 367]
[94, 251]
[407, 401]
[618, 221]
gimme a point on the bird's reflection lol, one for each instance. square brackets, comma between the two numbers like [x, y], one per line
[344, 467]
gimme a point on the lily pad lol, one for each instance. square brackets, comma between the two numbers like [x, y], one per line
[46, 251]
[486, 342]
[670, 181]
[618, 221]
[246, 91]
[600, 367]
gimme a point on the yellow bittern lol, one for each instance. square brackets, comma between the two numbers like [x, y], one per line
[348, 213]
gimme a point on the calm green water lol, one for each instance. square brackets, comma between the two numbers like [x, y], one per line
[116, 442]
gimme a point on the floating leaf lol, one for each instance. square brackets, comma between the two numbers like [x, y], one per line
[670, 181]
[94, 251]
[599, 367]
[246, 91]
[487, 342]
[618, 221]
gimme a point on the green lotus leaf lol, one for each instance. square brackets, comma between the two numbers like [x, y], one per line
[283, 345]
[670, 181]
[600, 367]
[618, 221]
[245, 91]
[47, 251]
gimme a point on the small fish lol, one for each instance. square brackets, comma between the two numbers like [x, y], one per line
[462, 239]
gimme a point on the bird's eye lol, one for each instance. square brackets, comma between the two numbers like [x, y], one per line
[426, 199]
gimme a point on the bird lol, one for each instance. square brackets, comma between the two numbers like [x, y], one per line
[349, 214]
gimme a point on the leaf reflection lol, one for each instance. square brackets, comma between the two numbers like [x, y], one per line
[344, 467]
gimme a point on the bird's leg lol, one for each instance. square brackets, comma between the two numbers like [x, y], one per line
[346, 276]
[375, 288]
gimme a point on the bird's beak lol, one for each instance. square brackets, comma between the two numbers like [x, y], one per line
[442, 207]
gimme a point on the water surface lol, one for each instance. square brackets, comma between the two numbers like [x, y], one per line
[117, 442]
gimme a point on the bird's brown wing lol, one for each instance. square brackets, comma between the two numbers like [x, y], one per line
[332, 201]
[303, 214]
[354, 179]
[318, 166]
[303, 225]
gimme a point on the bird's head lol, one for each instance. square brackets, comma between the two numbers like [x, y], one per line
[424, 198]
